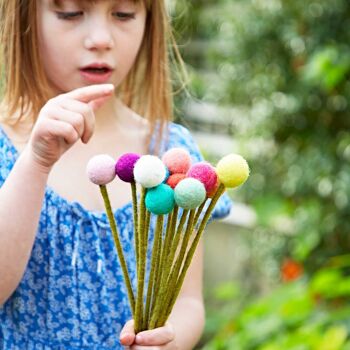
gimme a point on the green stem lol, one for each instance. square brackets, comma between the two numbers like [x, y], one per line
[199, 212]
[154, 266]
[141, 263]
[158, 277]
[146, 234]
[173, 228]
[164, 249]
[163, 285]
[191, 251]
[171, 285]
[118, 245]
[135, 216]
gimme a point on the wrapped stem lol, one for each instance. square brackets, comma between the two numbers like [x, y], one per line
[163, 285]
[141, 262]
[154, 267]
[160, 270]
[191, 251]
[165, 248]
[144, 252]
[118, 246]
[135, 216]
[172, 282]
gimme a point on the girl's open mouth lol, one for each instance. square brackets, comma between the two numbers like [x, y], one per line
[96, 74]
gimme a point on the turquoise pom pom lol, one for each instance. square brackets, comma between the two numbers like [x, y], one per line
[160, 200]
[189, 193]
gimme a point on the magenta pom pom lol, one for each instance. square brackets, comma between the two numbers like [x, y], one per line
[125, 166]
[206, 174]
[101, 169]
[177, 160]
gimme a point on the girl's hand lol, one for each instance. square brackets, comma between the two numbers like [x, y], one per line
[162, 338]
[64, 120]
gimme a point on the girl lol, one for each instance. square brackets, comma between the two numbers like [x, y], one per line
[77, 77]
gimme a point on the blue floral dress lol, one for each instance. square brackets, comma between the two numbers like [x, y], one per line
[72, 295]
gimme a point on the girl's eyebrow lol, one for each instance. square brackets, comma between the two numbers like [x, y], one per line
[59, 3]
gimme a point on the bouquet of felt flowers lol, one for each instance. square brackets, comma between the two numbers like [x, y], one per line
[182, 195]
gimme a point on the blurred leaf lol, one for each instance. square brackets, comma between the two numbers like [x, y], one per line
[328, 67]
[325, 279]
[226, 291]
[334, 338]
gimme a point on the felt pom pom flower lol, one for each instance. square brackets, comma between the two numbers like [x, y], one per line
[125, 166]
[176, 192]
[233, 170]
[177, 160]
[160, 200]
[189, 193]
[100, 169]
[149, 171]
[213, 191]
[205, 173]
[174, 179]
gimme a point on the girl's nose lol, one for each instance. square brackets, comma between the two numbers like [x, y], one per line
[99, 37]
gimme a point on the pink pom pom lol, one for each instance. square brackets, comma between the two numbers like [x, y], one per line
[177, 160]
[101, 169]
[206, 174]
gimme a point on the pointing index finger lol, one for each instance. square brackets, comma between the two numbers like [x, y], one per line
[92, 92]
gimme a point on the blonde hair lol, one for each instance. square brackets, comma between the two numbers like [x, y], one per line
[147, 89]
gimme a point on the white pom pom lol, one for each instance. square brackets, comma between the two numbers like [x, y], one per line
[149, 171]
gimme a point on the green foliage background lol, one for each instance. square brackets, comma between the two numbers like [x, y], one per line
[285, 65]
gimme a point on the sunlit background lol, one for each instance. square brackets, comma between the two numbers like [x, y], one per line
[269, 79]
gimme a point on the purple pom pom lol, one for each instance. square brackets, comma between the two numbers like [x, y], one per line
[125, 166]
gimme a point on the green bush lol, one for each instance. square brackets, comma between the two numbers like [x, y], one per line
[307, 314]
[286, 66]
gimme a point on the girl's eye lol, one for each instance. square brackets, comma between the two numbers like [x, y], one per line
[69, 15]
[124, 16]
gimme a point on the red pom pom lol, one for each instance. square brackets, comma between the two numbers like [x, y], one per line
[174, 179]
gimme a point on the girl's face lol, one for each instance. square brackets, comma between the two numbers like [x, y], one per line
[89, 42]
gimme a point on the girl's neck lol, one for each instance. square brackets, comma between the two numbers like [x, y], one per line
[114, 114]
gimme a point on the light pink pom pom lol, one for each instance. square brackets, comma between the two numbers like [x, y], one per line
[177, 160]
[101, 169]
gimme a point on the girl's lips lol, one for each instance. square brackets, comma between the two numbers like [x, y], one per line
[95, 76]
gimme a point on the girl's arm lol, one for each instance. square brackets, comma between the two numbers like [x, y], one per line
[61, 122]
[186, 322]
[21, 199]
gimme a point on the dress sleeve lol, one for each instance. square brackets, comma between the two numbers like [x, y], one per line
[179, 136]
